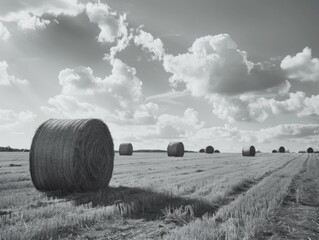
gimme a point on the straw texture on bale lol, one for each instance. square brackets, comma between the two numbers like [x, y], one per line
[216, 151]
[274, 151]
[202, 150]
[209, 149]
[72, 155]
[126, 149]
[310, 150]
[175, 149]
[249, 151]
[282, 149]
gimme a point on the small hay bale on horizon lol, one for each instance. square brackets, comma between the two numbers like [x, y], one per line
[274, 151]
[202, 150]
[282, 149]
[209, 150]
[175, 149]
[249, 151]
[126, 149]
[310, 150]
[216, 151]
[75, 155]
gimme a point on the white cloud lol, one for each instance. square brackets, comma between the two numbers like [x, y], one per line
[214, 64]
[11, 120]
[171, 126]
[256, 108]
[29, 15]
[4, 33]
[27, 20]
[8, 80]
[117, 97]
[302, 66]
[111, 24]
[285, 132]
[147, 41]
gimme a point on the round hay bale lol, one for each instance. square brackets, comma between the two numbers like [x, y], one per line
[209, 150]
[216, 151]
[72, 155]
[310, 150]
[202, 150]
[282, 149]
[274, 151]
[126, 149]
[249, 151]
[175, 149]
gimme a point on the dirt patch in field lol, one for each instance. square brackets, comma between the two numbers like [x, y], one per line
[298, 215]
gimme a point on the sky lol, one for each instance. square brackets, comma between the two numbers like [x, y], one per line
[209, 72]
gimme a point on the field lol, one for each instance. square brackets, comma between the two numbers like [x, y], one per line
[152, 196]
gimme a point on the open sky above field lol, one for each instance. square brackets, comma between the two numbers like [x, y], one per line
[209, 72]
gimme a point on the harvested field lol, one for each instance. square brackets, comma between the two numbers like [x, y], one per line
[152, 196]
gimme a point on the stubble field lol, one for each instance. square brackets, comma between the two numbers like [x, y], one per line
[152, 196]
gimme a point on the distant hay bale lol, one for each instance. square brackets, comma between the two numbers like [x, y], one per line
[126, 149]
[216, 151]
[72, 155]
[310, 150]
[274, 151]
[175, 149]
[209, 150]
[202, 150]
[249, 151]
[282, 149]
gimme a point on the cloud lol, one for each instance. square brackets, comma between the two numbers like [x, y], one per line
[171, 126]
[297, 103]
[301, 67]
[214, 64]
[8, 80]
[147, 41]
[111, 24]
[4, 33]
[282, 132]
[27, 20]
[11, 120]
[256, 108]
[30, 15]
[117, 97]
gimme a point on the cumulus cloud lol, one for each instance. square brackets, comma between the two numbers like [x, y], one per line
[171, 126]
[8, 80]
[4, 33]
[256, 108]
[301, 67]
[214, 64]
[111, 24]
[11, 120]
[27, 20]
[29, 15]
[147, 41]
[117, 97]
[282, 132]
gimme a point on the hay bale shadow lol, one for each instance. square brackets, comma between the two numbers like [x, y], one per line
[144, 203]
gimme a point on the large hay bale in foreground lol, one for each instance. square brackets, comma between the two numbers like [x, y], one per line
[209, 150]
[126, 149]
[274, 151]
[282, 149]
[202, 150]
[175, 149]
[72, 155]
[310, 150]
[249, 151]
